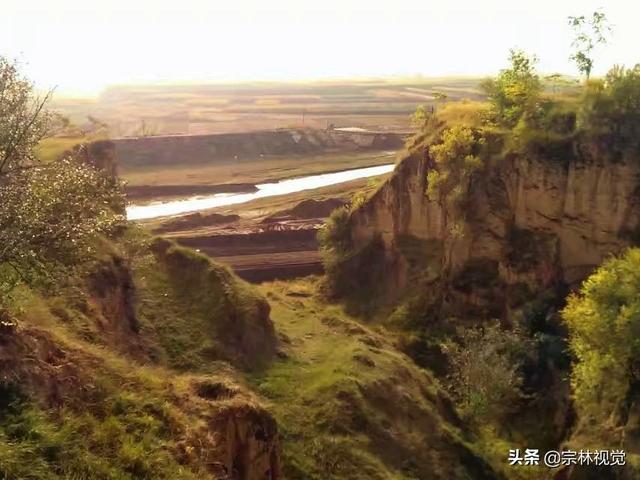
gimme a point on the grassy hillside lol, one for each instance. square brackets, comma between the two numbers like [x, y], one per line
[99, 384]
[349, 405]
[184, 295]
[153, 362]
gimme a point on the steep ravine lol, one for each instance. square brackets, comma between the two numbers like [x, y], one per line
[534, 230]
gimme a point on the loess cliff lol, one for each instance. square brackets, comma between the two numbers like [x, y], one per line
[531, 220]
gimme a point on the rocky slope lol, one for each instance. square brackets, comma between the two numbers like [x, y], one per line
[535, 227]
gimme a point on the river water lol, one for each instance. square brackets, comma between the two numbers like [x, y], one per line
[284, 187]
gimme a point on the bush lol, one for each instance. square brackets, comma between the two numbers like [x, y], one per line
[611, 109]
[335, 236]
[486, 372]
[456, 160]
[604, 331]
[49, 212]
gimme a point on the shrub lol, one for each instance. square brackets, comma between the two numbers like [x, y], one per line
[611, 109]
[335, 236]
[486, 372]
[49, 213]
[456, 160]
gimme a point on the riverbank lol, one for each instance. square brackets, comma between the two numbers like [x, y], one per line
[264, 239]
[294, 185]
[169, 182]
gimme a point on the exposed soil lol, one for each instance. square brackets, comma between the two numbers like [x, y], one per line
[307, 209]
[260, 252]
[265, 239]
[195, 220]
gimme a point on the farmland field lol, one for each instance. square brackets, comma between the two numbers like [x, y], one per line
[222, 108]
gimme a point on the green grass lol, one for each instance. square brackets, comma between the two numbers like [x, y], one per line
[349, 405]
[78, 403]
[201, 312]
[52, 148]
[130, 439]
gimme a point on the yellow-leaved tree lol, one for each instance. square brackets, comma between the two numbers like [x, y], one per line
[604, 335]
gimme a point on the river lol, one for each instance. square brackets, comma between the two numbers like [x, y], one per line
[284, 187]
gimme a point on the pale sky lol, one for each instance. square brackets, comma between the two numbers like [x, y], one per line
[84, 45]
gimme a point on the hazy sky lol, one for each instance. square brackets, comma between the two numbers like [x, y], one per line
[83, 45]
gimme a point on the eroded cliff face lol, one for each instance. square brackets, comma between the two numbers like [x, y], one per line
[533, 221]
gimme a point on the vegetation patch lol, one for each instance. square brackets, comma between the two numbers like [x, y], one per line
[479, 273]
[185, 295]
[526, 249]
[351, 406]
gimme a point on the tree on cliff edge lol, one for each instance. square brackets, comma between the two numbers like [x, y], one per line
[588, 33]
[49, 212]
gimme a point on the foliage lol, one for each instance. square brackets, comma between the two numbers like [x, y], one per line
[466, 112]
[422, 116]
[335, 236]
[358, 199]
[24, 121]
[588, 32]
[486, 371]
[604, 335]
[129, 441]
[48, 213]
[135, 243]
[200, 311]
[456, 159]
[515, 94]
[611, 108]
[355, 274]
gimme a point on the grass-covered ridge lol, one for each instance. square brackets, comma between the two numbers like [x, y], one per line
[200, 311]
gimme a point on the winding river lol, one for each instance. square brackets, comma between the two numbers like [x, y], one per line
[284, 187]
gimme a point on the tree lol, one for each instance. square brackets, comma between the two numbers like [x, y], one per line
[515, 93]
[456, 160]
[588, 33]
[24, 122]
[422, 116]
[49, 213]
[604, 336]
